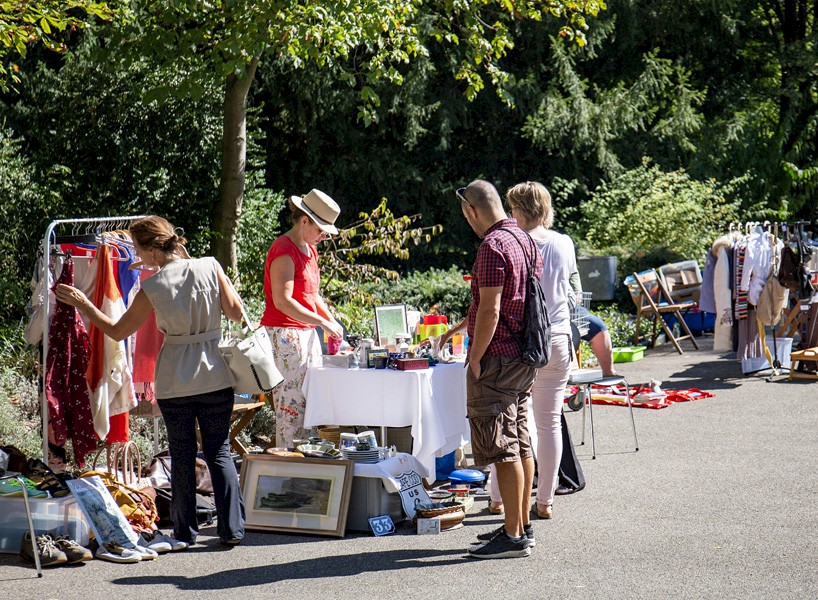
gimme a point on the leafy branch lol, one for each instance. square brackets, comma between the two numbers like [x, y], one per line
[377, 233]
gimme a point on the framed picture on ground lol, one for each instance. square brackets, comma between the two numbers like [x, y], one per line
[295, 494]
[390, 319]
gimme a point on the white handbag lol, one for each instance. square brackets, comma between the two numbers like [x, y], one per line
[249, 354]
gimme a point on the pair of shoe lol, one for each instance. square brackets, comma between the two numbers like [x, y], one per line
[498, 544]
[496, 508]
[53, 551]
[544, 511]
[130, 553]
[161, 543]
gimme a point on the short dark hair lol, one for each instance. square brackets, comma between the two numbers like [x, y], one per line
[483, 195]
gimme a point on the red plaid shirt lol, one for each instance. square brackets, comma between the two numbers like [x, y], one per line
[500, 262]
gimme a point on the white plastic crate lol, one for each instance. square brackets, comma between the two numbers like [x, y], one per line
[50, 515]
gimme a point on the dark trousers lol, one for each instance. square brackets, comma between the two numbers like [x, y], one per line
[212, 411]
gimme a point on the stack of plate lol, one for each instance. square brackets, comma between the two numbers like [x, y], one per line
[362, 456]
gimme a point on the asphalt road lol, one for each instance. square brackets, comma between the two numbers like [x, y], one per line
[719, 502]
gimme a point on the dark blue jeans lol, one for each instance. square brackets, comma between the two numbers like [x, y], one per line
[212, 411]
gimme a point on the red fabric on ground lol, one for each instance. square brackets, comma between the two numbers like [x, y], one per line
[616, 396]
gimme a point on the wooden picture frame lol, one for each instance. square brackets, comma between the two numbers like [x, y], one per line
[390, 319]
[295, 494]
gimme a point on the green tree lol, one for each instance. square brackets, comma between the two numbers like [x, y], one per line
[363, 41]
[24, 23]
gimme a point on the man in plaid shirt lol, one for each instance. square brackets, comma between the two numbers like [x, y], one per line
[498, 384]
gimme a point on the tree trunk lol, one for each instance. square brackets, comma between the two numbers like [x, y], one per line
[234, 157]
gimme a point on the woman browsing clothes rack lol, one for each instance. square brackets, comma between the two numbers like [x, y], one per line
[193, 382]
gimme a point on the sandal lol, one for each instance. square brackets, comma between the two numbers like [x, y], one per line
[496, 508]
[544, 511]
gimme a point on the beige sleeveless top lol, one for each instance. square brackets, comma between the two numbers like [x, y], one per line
[185, 298]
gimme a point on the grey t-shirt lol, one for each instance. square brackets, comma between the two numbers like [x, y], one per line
[185, 298]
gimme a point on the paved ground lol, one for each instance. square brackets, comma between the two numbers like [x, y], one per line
[719, 502]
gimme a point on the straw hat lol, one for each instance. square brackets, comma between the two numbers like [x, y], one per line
[319, 207]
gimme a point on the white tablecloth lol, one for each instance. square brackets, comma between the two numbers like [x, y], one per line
[432, 401]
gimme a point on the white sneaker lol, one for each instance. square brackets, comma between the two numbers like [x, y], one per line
[113, 552]
[152, 543]
[175, 545]
[145, 553]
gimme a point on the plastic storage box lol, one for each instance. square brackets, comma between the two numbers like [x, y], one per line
[761, 366]
[369, 498]
[628, 354]
[50, 515]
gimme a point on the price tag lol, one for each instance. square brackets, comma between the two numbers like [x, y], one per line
[382, 525]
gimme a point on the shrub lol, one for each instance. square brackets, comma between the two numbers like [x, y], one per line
[621, 326]
[19, 413]
[445, 292]
[646, 211]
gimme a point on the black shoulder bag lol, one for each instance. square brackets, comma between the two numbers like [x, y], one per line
[536, 340]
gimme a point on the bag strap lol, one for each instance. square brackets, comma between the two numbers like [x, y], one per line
[528, 266]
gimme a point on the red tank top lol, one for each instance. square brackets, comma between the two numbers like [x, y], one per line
[305, 283]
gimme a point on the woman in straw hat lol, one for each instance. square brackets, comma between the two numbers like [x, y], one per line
[294, 307]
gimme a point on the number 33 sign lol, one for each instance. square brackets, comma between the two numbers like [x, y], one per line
[382, 525]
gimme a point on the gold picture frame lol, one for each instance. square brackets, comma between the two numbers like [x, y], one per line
[295, 494]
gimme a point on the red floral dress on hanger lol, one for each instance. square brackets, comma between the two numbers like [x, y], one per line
[66, 388]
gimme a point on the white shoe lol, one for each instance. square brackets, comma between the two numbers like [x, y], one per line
[145, 553]
[113, 552]
[175, 545]
[152, 543]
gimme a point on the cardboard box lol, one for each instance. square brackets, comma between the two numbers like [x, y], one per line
[50, 515]
[369, 498]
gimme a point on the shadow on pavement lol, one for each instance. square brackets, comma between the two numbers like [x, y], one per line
[330, 566]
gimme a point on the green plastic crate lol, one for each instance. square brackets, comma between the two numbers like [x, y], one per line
[628, 354]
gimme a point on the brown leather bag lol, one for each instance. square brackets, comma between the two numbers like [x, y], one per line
[159, 473]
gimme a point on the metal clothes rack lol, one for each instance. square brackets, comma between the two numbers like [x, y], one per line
[78, 228]
[785, 230]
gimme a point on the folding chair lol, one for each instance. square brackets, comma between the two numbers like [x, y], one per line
[682, 280]
[647, 292]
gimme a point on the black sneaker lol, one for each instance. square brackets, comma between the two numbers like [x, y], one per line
[502, 546]
[50, 555]
[528, 530]
[490, 535]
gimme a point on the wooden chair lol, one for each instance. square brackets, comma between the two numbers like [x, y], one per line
[654, 301]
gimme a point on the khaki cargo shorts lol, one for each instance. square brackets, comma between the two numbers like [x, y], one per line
[497, 408]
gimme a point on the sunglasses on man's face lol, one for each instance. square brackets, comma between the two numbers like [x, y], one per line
[461, 193]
